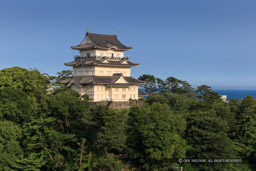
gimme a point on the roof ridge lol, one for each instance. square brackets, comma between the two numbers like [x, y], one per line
[104, 41]
[101, 34]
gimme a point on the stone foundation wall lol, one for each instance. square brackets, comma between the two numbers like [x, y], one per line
[119, 105]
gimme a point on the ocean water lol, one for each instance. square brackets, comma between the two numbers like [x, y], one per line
[237, 94]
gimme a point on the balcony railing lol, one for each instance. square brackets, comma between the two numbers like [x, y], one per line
[77, 57]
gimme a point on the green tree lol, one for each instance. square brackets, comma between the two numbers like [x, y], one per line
[206, 94]
[109, 126]
[68, 109]
[64, 74]
[246, 132]
[10, 150]
[207, 138]
[151, 84]
[52, 137]
[161, 98]
[223, 111]
[30, 81]
[153, 139]
[70, 113]
[45, 146]
[16, 105]
[177, 86]
[105, 132]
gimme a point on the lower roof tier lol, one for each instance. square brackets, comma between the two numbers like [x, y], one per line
[116, 79]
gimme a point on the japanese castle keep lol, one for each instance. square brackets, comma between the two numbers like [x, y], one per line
[102, 71]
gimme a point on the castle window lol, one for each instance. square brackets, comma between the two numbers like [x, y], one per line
[116, 96]
[88, 54]
[116, 89]
[130, 96]
[123, 89]
[123, 96]
[112, 55]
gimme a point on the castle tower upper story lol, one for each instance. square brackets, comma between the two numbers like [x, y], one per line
[101, 45]
[102, 71]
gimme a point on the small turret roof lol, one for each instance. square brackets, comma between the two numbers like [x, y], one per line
[100, 41]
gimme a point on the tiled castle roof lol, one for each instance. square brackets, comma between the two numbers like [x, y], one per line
[93, 62]
[101, 41]
[106, 80]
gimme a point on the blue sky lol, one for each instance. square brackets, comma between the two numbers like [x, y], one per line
[208, 42]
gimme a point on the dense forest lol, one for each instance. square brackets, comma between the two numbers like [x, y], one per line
[59, 130]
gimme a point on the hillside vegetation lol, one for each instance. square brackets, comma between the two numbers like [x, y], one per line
[42, 130]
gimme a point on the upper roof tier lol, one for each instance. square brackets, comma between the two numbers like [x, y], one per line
[93, 61]
[100, 41]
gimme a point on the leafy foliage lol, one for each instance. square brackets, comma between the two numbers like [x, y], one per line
[63, 131]
[246, 126]
[30, 81]
[64, 74]
[175, 86]
[10, 150]
[151, 83]
[109, 128]
[16, 105]
[153, 137]
[208, 138]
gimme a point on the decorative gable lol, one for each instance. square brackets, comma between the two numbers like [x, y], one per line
[121, 80]
[104, 61]
[73, 82]
[87, 40]
[124, 62]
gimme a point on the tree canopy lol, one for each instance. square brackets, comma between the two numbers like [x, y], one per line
[61, 130]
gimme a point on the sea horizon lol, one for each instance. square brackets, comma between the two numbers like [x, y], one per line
[236, 93]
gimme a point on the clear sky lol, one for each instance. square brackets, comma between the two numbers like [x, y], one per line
[208, 42]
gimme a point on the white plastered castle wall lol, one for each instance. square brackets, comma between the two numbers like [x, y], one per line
[99, 93]
[100, 71]
[105, 93]
[107, 53]
[84, 71]
[109, 71]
